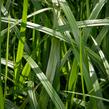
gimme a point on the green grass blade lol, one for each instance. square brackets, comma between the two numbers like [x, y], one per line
[86, 75]
[22, 39]
[51, 67]
[101, 35]
[38, 12]
[73, 79]
[87, 8]
[71, 19]
[25, 73]
[105, 62]
[65, 57]
[10, 63]
[81, 65]
[53, 61]
[33, 100]
[3, 10]
[88, 95]
[7, 55]
[95, 12]
[96, 85]
[8, 4]
[41, 28]
[1, 90]
[62, 28]
[46, 84]
[10, 105]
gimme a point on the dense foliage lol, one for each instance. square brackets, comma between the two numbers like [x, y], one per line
[54, 54]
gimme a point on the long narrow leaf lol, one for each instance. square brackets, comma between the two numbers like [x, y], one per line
[22, 39]
[46, 84]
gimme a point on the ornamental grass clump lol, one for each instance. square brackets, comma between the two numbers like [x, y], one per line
[54, 54]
